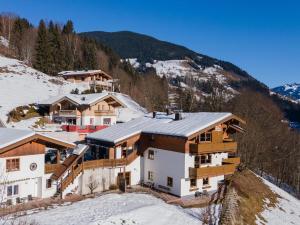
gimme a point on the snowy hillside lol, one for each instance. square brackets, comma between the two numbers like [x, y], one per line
[287, 210]
[117, 209]
[289, 90]
[22, 85]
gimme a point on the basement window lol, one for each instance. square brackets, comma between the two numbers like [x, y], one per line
[205, 181]
[170, 181]
[48, 183]
[205, 137]
[151, 154]
[193, 183]
[150, 175]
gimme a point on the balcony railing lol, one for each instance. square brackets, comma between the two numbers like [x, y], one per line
[234, 160]
[203, 148]
[211, 171]
[50, 168]
[67, 112]
[100, 163]
[104, 112]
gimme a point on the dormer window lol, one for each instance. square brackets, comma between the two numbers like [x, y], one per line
[205, 137]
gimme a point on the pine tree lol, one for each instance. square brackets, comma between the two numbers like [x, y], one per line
[20, 26]
[42, 49]
[89, 54]
[56, 60]
[68, 28]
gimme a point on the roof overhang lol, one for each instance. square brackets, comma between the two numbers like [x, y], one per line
[39, 138]
[230, 118]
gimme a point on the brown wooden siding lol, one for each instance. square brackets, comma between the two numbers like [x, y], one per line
[204, 148]
[30, 148]
[211, 171]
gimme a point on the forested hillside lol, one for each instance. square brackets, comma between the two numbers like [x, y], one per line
[52, 47]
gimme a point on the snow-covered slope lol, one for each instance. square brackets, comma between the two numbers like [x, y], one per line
[117, 209]
[287, 211]
[22, 85]
[289, 90]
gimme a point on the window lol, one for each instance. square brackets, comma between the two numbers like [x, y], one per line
[107, 121]
[48, 183]
[205, 159]
[151, 154]
[91, 121]
[205, 181]
[170, 181]
[193, 183]
[12, 165]
[205, 137]
[150, 175]
[12, 190]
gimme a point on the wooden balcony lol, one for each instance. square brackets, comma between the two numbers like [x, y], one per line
[50, 168]
[72, 113]
[211, 171]
[104, 112]
[210, 147]
[235, 160]
[100, 163]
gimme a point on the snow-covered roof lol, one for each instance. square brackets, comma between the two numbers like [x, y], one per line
[10, 136]
[161, 124]
[81, 148]
[83, 72]
[85, 99]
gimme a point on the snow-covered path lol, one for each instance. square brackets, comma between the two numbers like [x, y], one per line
[117, 209]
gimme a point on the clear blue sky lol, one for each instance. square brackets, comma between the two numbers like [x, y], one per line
[262, 37]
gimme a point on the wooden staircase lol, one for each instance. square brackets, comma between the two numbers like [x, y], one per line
[69, 179]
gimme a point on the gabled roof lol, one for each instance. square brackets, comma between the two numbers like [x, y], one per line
[11, 138]
[86, 99]
[83, 72]
[163, 124]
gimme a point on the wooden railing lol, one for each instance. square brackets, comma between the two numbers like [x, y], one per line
[67, 112]
[211, 171]
[203, 148]
[104, 112]
[103, 163]
[235, 160]
[71, 177]
[100, 163]
[50, 168]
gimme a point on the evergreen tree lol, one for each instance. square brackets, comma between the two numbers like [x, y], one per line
[20, 26]
[89, 54]
[42, 49]
[68, 28]
[56, 48]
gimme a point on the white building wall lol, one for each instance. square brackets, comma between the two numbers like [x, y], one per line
[30, 182]
[135, 171]
[104, 177]
[165, 164]
[98, 120]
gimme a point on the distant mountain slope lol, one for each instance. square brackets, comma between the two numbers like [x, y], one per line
[146, 49]
[289, 90]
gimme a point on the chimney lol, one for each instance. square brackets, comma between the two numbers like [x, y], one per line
[154, 114]
[178, 115]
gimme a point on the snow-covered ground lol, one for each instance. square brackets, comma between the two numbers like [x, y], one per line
[4, 41]
[287, 211]
[117, 209]
[22, 85]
